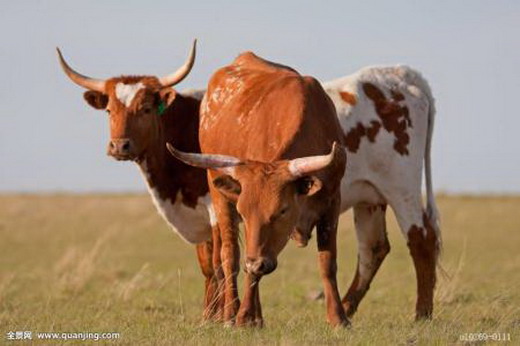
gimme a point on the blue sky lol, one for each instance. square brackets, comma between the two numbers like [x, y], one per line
[50, 140]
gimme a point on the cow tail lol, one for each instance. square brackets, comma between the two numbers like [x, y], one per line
[431, 207]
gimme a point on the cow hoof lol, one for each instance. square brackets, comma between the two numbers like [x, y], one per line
[229, 323]
[423, 316]
[344, 324]
[248, 320]
[245, 322]
[350, 309]
[259, 323]
[341, 323]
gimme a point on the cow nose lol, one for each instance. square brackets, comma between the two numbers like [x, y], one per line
[119, 147]
[260, 266]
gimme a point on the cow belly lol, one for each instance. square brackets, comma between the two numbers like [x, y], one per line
[358, 192]
[191, 224]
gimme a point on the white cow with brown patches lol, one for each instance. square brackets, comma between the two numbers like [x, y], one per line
[387, 115]
[144, 113]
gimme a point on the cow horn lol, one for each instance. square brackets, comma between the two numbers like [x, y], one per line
[183, 71]
[222, 163]
[79, 79]
[306, 165]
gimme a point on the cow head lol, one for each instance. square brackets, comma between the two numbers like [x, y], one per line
[133, 103]
[268, 197]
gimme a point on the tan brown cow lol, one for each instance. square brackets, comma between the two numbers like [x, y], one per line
[144, 113]
[266, 133]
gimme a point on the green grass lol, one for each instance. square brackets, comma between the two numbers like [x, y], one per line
[103, 263]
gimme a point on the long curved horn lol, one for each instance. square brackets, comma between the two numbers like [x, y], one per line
[306, 165]
[79, 79]
[221, 163]
[183, 71]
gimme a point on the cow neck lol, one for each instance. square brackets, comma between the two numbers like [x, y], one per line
[167, 176]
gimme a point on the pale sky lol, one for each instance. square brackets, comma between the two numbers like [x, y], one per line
[52, 141]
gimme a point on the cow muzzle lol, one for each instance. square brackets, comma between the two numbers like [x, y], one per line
[260, 266]
[121, 149]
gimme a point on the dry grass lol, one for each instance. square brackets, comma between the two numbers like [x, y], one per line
[108, 263]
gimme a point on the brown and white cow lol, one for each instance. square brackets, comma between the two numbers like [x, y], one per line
[144, 114]
[265, 133]
[387, 116]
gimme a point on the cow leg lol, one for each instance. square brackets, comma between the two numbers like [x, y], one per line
[205, 256]
[423, 243]
[219, 274]
[229, 254]
[217, 303]
[259, 319]
[250, 312]
[327, 228]
[373, 247]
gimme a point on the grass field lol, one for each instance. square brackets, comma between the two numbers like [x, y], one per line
[105, 263]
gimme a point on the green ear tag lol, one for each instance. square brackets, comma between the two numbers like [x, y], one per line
[161, 108]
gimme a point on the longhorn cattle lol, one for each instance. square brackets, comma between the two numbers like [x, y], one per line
[144, 113]
[387, 116]
[265, 132]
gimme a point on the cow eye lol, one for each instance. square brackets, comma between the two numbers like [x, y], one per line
[283, 211]
[108, 111]
[147, 110]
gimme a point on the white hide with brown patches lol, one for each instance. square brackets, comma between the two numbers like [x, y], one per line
[376, 173]
[191, 224]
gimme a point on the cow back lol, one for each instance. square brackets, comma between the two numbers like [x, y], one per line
[261, 111]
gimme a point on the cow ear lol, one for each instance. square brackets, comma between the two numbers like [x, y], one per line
[167, 95]
[228, 186]
[96, 99]
[308, 185]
